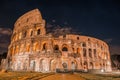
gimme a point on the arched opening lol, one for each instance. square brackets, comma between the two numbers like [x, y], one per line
[32, 65]
[100, 66]
[64, 65]
[31, 33]
[52, 65]
[77, 38]
[73, 50]
[90, 53]
[91, 65]
[85, 66]
[78, 50]
[73, 65]
[25, 65]
[44, 46]
[43, 66]
[84, 52]
[84, 44]
[38, 31]
[103, 65]
[64, 49]
[56, 47]
[95, 55]
[19, 65]
[24, 34]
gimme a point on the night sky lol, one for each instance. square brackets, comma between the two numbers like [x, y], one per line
[95, 18]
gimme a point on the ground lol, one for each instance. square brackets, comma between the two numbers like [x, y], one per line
[57, 76]
[64, 77]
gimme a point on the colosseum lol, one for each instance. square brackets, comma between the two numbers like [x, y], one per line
[31, 49]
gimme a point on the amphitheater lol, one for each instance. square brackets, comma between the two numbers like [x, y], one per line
[31, 49]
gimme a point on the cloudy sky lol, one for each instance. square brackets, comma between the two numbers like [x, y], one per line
[96, 18]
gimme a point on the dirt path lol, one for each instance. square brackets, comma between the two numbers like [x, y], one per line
[63, 77]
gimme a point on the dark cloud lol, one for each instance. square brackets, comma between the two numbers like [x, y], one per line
[5, 31]
[57, 30]
[5, 34]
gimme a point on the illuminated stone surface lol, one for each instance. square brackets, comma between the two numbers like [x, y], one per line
[31, 49]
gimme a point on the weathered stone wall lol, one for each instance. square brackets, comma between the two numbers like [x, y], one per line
[32, 49]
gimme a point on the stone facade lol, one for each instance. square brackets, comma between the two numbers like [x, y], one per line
[32, 49]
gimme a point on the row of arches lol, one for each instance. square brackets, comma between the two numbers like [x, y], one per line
[44, 65]
[23, 34]
[93, 53]
[44, 47]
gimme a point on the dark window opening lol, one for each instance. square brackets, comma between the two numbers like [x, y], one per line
[84, 44]
[84, 52]
[64, 49]
[64, 36]
[95, 55]
[38, 31]
[24, 34]
[77, 38]
[31, 34]
[64, 65]
[56, 47]
[90, 53]
[88, 39]
[44, 46]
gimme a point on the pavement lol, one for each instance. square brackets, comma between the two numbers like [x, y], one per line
[63, 77]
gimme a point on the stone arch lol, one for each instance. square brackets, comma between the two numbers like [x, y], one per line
[74, 64]
[84, 52]
[94, 52]
[32, 65]
[90, 53]
[38, 31]
[83, 44]
[24, 34]
[65, 65]
[85, 65]
[64, 47]
[18, 65]
[43, 66]
[31, 33]
[100, 66]
[44, 46]
[53, 64]
[25, 65]
[91, 65]
[104, 66]
[56, 47]
[73, 50]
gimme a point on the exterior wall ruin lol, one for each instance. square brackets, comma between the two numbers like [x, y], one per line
[32, 49]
